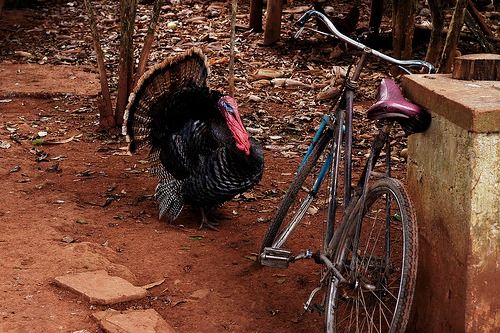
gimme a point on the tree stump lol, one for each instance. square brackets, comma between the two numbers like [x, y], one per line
[484, 66]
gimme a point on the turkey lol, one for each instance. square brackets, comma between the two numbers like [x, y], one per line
[199, 149]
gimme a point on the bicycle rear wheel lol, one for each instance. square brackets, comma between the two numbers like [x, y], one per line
[378, 257]
[291, 203]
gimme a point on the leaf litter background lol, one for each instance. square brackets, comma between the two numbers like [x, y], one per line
[73, 200]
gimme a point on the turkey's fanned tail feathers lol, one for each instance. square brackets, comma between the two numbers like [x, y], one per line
[173, 74]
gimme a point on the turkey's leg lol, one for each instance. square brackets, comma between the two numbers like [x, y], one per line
[204, 221]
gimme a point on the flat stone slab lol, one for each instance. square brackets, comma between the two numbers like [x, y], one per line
[42, 80]
[100, 288]
[472, 105]
[132, 321]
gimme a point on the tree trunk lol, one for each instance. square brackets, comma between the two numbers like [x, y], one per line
[2, 3]
[256, 7]
[376, 13]
[106, 119]
[273, 22]
[148, 41]
[125, 65]
[436, 41]
[451, 43]
[403, 26]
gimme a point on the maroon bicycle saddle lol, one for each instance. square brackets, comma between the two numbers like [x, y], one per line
[391, 105]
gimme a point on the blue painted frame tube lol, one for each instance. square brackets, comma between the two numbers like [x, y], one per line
[322, 174]
[325, 121]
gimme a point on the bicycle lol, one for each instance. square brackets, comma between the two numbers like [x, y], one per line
[369, 258]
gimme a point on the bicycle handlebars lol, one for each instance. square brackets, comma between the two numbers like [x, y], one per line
[336, 33]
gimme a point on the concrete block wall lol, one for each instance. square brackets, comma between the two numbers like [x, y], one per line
[454, 182]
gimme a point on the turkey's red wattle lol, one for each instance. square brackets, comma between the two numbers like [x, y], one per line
[233, 120]
[240, 135]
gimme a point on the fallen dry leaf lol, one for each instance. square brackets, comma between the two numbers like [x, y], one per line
[289, 83]
[153, 284]
[51, 142]
[266, 73]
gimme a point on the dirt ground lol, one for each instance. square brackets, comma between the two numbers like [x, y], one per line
[73, 200]
[85, 205]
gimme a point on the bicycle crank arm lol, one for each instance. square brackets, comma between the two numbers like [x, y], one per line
[321, 258]
[307, 304]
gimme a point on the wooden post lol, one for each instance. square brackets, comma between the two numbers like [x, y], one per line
[2, 3]
[376, 13]
[436, 42]
[256, 7]
[273, 22]
[403, 26]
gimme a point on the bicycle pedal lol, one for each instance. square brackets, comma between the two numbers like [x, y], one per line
[277, 258]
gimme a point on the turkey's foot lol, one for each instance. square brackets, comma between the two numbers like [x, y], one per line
[217, 215]
[204, 221]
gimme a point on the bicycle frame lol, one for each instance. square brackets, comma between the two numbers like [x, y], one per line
[340, 122]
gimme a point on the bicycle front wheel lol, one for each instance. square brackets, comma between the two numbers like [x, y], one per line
[378, 256]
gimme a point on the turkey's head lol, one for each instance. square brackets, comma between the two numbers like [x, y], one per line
[229, 108]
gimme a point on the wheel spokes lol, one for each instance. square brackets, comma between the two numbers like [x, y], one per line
[371, 299]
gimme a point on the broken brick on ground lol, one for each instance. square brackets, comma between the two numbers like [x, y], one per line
[100, 288]
[144, 321]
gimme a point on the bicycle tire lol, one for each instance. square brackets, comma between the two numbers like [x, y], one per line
[296, 184]
[343, 300]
